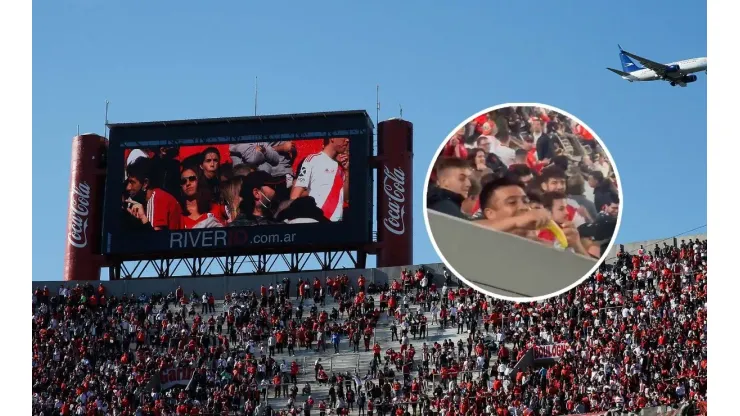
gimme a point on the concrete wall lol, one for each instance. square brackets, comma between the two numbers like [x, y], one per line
[227, 284]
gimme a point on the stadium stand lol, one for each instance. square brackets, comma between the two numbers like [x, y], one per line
[419, 344]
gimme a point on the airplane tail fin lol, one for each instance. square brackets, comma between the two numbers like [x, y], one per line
[627, 64]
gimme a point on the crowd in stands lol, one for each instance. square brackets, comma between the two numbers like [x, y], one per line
[636, 332]
[516, 168]
[238, 184]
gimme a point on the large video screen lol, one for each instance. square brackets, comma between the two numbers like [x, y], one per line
[249, 192]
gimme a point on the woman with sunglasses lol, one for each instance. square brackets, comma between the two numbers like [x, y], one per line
[198, 208]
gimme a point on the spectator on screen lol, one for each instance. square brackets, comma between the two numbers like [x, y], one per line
[148, 204]
[257, 200]
[166, 169]
[198, 210]
[283, 170]
[453, 184]
[210, 165]
[243, 170]
[325, 177]
[230, 191]
[254, 154]
[302, 210]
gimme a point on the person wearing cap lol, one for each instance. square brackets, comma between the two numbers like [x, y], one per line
[257, 200]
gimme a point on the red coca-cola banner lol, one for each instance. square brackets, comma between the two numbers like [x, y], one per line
[395, 193]
[82, 259]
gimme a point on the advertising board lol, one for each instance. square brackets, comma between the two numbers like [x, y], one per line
[239, 185]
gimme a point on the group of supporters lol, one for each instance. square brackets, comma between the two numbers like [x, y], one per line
[635, 335]
[515, 169]
[187, 187]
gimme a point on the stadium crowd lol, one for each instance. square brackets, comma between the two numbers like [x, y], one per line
[240, 184]
[516, 168]
[636, 336]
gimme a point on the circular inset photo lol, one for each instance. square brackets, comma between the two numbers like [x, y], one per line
[523, 201]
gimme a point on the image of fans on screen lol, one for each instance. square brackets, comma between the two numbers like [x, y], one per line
[531, 172]
[235, 185]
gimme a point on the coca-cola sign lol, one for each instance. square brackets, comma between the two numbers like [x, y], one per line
[79, 211]
[394, 185]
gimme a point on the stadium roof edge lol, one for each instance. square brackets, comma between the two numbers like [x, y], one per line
[322, 114]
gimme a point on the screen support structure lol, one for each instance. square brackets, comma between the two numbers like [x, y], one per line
[237, 265]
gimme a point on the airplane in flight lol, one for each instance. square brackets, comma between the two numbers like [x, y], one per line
[676, 73]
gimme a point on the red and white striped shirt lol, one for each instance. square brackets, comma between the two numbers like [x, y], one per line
[323, 178]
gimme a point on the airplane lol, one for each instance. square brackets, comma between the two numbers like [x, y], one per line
[676, 73]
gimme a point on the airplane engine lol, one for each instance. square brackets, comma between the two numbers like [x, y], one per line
[672, 68]
[689, 78]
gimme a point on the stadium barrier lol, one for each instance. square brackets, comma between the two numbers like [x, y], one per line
[514, 272]
[228, 284]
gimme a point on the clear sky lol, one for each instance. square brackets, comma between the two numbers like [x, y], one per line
[191, 59]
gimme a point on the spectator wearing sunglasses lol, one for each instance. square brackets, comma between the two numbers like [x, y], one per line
[197, 209]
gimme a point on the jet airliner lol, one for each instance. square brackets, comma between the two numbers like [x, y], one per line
[676, 73]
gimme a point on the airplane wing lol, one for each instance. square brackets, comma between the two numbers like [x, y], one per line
[659, 69]
[618, 72]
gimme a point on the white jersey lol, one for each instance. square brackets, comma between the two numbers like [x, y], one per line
[505, 153]
[324, 180]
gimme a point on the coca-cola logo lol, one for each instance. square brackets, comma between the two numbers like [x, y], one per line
[79, 211]
[394, 185]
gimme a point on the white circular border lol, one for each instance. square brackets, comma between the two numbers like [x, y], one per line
[577, 282]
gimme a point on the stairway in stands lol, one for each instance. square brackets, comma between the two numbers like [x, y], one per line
[346, 360]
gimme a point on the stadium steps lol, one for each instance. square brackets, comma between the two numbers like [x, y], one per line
[346, 361]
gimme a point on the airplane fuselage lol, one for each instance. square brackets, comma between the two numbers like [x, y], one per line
[682, 68]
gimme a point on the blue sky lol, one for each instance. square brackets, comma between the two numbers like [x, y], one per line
[174, 60]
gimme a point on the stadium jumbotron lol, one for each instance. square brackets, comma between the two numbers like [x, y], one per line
[387, 342]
